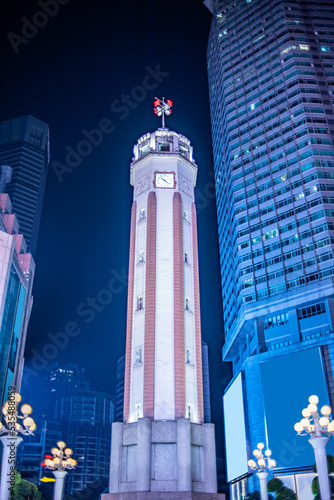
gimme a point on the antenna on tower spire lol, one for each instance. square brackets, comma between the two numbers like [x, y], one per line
[162, 108]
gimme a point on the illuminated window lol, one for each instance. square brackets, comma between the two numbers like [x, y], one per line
[163, 146]
[139, 355]
[280, 319]
[144, 149]
[140, 303]
[271, 234]
[142, 213]
[183, 150]
[299, 196]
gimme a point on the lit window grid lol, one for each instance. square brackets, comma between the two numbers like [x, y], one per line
[219, 205]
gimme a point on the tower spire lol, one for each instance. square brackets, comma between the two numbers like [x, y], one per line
[162, 108]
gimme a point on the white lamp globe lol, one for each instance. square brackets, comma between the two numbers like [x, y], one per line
[313, 400]
[26, 409]
[323, 421]
[304, 423]
[326, 410]
[18, 397]
[298, 427]
[312, 408]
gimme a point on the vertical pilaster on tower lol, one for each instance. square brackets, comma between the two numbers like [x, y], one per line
[163, 445]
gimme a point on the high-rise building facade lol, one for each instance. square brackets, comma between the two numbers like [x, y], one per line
[119, 389]
[60, 379]
[163, 447]
[85, 418]
[17, 270]
[271, 86]
[24, 146]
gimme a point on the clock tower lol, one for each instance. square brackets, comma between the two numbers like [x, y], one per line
[163, 444]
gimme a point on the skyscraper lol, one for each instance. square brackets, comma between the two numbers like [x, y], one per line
[24, 146]
[85, 419]
[271, 86]
[163, 447]
[16, 280]
[60, 379]
[119, 389]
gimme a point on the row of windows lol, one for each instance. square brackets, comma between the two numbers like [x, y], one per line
[281, 287]
[278, 320]
[293, 253]
[275, 105]
[295, 238]
[287, 201]
[281, 272]
[284, 177]
[139, 356]
[313, 310]
[279, 123]
[140, 303]
[271, 195]
[282, 229]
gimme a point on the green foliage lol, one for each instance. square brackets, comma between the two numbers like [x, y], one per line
[286, 494]
[254, 496]
[315, 485]
[24, 490]
[257, 496]
[330, 463]
[274, 484]
[282, 492]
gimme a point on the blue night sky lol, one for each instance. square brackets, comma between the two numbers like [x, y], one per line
[73, 74]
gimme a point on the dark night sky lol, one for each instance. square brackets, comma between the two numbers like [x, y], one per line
[68, 74]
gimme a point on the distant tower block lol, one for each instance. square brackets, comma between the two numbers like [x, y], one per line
[163, 444]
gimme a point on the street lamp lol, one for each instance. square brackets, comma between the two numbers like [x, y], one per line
[61, 460]
[263, 466]
[10, 439]
[318, 428]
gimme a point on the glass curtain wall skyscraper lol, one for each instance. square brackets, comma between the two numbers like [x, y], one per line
[271, 86]
[24, 146]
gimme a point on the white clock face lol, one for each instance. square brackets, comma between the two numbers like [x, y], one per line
[164, 180]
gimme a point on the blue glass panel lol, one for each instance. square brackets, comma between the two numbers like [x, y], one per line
[288, 382]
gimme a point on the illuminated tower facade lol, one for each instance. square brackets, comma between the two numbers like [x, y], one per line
[163, 444]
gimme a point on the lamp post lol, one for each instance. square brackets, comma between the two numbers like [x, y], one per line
[60, 462]
[318, 428]
[263, 465]
[10, 439]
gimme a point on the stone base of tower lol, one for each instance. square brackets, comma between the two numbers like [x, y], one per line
[167, 460]
[164, 495]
